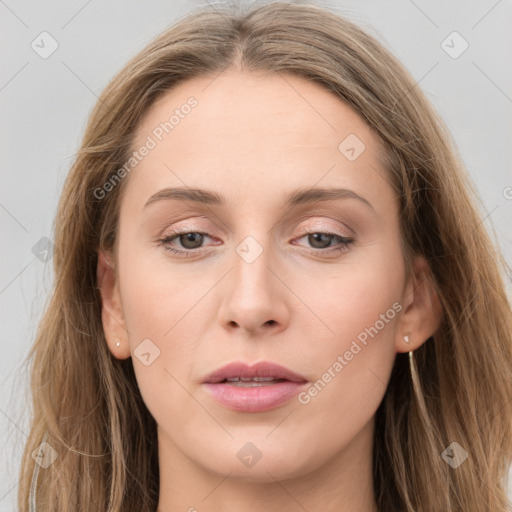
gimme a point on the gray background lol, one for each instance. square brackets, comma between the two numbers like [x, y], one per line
[45, 103]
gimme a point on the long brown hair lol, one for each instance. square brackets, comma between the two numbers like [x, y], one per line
[86, 403]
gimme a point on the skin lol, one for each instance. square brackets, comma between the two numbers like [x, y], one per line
[254, 138]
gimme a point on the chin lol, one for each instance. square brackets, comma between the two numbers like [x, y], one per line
[262, 472]
[257, 462]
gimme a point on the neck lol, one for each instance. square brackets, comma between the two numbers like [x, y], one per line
[342, 483]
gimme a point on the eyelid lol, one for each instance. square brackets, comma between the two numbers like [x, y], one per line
[325, 221]
[176, 232]
[308, 230]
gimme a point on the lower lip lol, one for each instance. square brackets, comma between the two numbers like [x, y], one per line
[256, 398]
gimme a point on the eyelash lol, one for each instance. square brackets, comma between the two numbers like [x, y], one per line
[345, 242]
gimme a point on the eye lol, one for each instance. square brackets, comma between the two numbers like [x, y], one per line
[189, 240]
[321, 241]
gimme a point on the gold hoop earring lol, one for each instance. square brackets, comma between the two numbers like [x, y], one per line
[418, 392]
[416, 380]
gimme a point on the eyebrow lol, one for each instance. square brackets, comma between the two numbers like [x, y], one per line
[295, 198]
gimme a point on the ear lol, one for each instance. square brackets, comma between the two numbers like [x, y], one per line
[111, 310]
[422, 311]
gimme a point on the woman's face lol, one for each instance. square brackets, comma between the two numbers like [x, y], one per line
[252, 282]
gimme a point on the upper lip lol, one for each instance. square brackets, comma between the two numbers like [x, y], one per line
[261, 369]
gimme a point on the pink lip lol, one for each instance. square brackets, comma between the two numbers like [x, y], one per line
[257, 398]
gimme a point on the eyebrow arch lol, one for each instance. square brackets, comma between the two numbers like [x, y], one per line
[295, 198]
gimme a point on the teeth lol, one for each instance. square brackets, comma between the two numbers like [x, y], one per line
[252, 379]
[252, 383]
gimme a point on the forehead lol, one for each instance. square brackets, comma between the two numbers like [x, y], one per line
[256, 133]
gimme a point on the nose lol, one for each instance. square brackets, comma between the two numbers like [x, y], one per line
[255, 298]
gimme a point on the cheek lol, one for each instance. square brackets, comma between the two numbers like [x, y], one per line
[353, 365]
[156, 294]
[159, 306]
[353, 296]
[162, 302]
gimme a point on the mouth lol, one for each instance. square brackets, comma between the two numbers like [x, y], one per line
[263, 371]
[255, 388]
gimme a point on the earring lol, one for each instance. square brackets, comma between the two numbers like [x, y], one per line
[406, 339]
[412, 366]
[118, 344]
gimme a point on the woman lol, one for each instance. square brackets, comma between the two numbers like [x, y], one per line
[273, 288]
